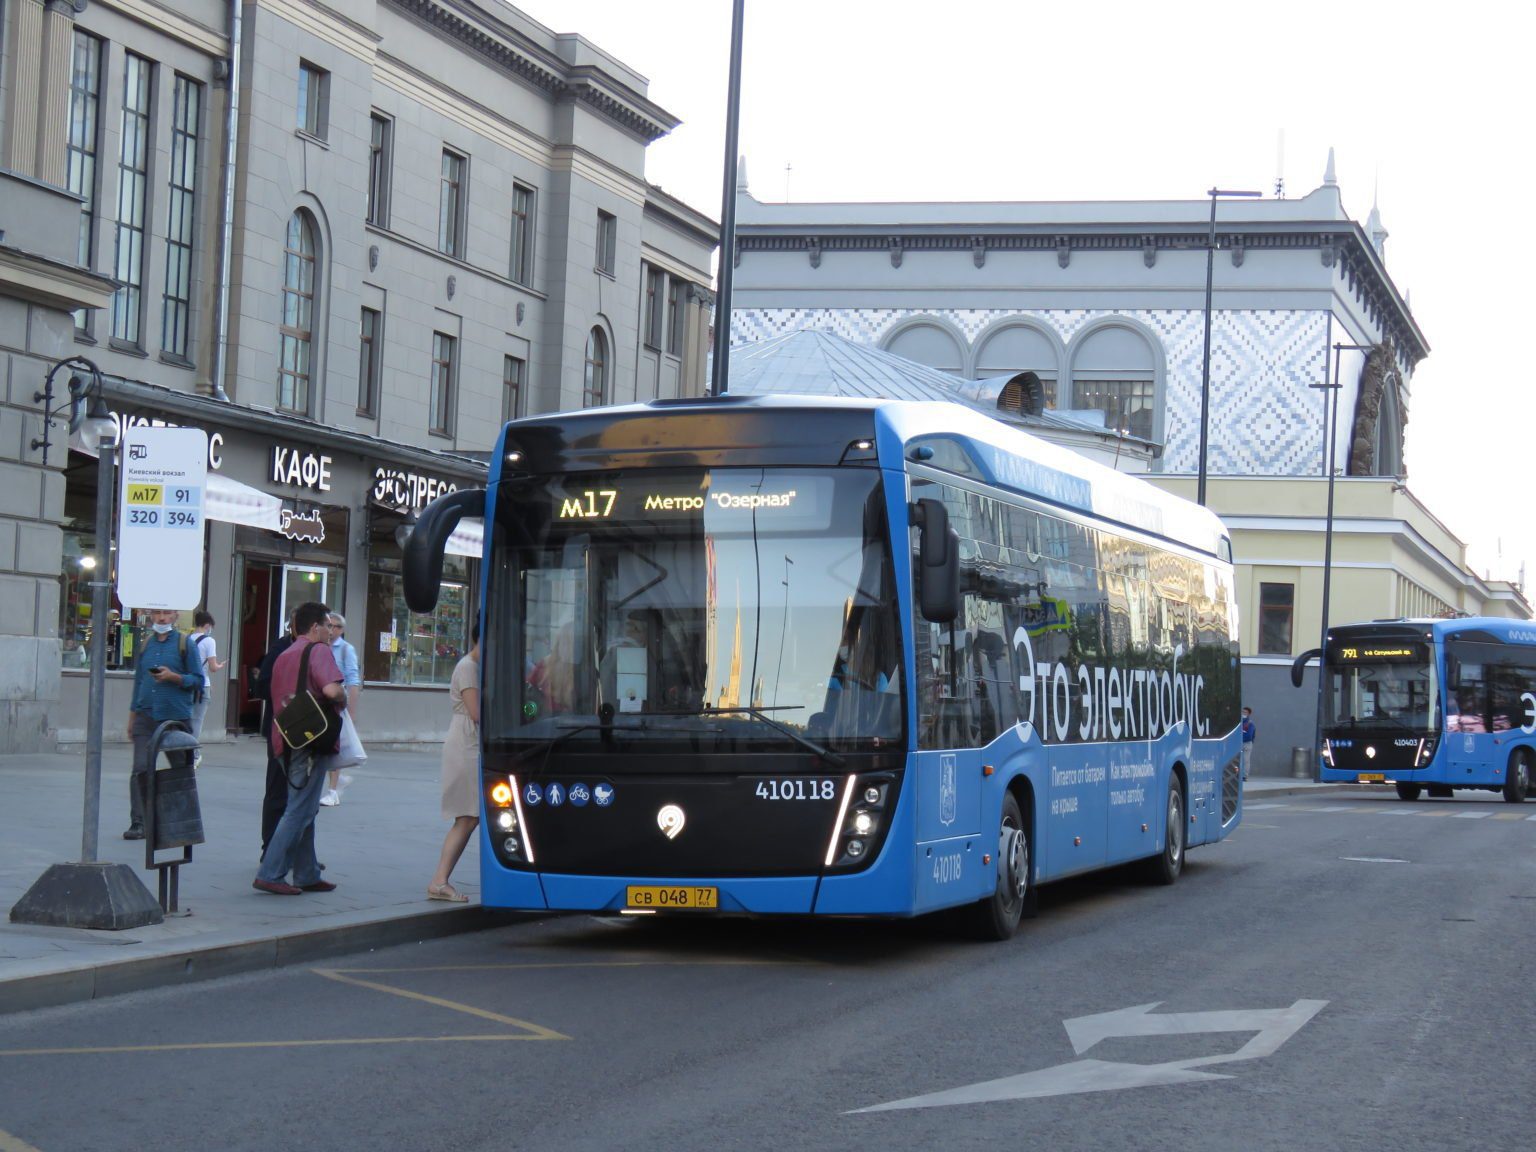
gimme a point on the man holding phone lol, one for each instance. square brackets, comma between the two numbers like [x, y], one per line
[166, 677]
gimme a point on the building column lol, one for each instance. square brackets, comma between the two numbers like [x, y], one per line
[26, 53]
[57, 57]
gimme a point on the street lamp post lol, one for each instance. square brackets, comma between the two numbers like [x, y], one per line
[89, 894]
[721, 365]
[1330, 455]
[1205, 363]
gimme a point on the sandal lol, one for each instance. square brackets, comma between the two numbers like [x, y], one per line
[446, 892]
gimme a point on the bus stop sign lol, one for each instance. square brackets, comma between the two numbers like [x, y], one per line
[160, 552]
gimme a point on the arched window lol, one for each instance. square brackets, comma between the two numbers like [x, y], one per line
[1114, 371]
[928, 344]
[594, 387]
[298, 322]
[1017, 348]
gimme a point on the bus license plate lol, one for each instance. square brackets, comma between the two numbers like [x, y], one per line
[1370, 778]
[671, 897]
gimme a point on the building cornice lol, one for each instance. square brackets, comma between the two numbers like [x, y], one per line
[1340, 245]
[52, 283]
[503, 46]
[169, 402]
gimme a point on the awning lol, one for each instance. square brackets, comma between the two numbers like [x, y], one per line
[236, 503]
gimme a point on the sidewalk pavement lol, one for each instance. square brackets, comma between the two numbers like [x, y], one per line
[380, 846]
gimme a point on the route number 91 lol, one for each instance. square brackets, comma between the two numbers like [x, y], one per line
[796, 789]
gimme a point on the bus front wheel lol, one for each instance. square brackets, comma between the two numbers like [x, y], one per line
[1165, 867]
[997, 917]
[1517, 781]
[1408, 791]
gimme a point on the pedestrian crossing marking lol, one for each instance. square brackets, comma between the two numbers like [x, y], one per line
[1472, 815]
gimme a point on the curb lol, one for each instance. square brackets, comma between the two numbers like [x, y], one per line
[192, 965]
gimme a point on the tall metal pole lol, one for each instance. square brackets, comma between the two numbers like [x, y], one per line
[721, 374]
[106, 479]
[1205, 361]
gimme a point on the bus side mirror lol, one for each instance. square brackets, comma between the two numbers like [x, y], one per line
[1299, 667]
[422, 565]
[939, 562]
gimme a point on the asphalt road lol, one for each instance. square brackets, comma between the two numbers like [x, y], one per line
[1362, 969]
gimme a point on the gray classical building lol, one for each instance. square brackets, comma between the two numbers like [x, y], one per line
[348, 241]
[1098, 309]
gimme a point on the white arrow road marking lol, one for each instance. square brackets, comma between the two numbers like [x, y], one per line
[1273, 1027]
[1373, 859]
[1282, 1023]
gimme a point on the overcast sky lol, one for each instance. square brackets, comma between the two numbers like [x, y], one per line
[1427, 108]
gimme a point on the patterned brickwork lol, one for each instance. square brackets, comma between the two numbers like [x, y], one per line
[1265, 419]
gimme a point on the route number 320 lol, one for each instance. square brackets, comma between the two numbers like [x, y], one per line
[796, 790]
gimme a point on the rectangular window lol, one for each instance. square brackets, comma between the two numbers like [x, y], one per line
[381, 147]
[84, 132]
[655, 301]
[186, 117]
[369, 354]
[314, 94]
[522, 234]
[420, 649]
[440, 398]
[675, 316]
[132, 198]
[511, 388]
[1277, 603]
[450, 205]
[607, 241]
[1127, 404]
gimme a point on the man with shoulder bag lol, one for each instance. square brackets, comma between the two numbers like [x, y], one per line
[307, 699]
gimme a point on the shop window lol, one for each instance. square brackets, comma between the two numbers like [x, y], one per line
[405, 647]
[125, 634]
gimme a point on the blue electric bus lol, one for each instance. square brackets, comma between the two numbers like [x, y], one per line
[1430, 704]
[787, 655]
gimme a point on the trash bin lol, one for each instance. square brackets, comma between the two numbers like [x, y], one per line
[177, 819]
[1301, 763]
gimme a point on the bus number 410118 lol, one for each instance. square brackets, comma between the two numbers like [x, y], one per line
[796, 790]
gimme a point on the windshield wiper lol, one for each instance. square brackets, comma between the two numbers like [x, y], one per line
[566, 731]
[833, 758]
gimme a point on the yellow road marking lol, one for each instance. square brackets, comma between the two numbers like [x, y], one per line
[1508, 816]
[222, 1045]
[538, 1032]
[9, 1143]
[566, 964]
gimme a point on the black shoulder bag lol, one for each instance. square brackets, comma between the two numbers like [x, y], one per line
[307, 721]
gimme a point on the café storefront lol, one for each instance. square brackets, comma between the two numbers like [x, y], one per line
[293, 512]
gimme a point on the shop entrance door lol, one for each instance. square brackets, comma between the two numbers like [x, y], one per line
[301, 584]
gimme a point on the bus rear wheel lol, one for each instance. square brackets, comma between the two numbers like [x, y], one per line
[1517, 781]
[997, 917]
[1408, 791]
[1165, 867]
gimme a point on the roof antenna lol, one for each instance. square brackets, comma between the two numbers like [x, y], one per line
[1280, 167]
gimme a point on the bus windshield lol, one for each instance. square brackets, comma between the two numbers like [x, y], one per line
[716, 609]
[1387, 686]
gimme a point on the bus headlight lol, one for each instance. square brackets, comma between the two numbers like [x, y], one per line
[1328, 753]
[505, 807]
[860, 817]
[1426, 751]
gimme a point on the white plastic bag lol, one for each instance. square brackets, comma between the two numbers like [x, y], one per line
[349, 749]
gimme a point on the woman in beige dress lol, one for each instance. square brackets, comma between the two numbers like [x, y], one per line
[461, 770]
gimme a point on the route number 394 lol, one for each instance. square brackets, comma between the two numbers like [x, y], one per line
[796, 790]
